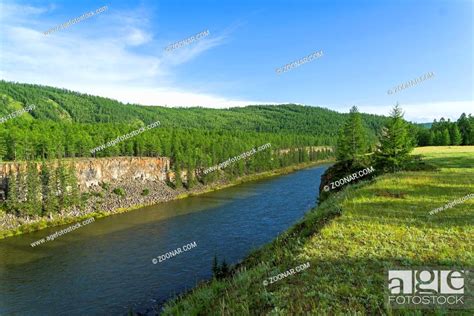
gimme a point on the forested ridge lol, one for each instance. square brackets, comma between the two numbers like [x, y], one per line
[69, 124]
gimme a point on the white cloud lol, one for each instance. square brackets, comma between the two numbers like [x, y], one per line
[425, 111]
[113, 62]
[166, 97]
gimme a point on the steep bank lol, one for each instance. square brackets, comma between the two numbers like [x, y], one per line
[104, 203]
[349, 241]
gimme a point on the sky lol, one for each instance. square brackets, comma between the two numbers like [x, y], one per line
[368, 48]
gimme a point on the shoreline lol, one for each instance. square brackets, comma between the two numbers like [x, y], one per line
[43, 223]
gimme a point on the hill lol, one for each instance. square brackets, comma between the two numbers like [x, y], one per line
[69, 124]
[68, 106]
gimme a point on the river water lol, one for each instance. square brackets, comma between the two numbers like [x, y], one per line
[105, 267]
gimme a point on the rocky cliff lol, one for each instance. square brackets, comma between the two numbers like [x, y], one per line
[93, 171]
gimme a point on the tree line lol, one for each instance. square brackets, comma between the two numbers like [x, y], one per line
[51, 187]
[51, 190]
[445, 133]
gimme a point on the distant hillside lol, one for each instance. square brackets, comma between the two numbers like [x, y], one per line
[69, 106]
[69, 124]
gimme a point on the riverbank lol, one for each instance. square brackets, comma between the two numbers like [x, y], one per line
[349, 241]
[63, 219]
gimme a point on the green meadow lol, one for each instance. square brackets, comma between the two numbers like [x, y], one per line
[350, 240]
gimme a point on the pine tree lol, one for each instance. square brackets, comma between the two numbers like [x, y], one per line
[12, 202]
[445, 138]
[32, 205]
[3, 146]
[438, 139]
[45, 178]
[395, 142]
[466, 129]
[62, 179]
[72, 184]
[456, 138]
[215, 267]
[352, 140]
[431, 138]
[51, 200]
[21, 189]
[224, 269]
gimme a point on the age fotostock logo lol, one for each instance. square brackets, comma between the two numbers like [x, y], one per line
[429, 288]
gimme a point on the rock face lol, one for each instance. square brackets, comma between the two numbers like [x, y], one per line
[92, 171]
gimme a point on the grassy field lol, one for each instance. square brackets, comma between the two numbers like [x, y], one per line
[349, 241]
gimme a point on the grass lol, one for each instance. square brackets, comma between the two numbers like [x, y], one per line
[350, 240]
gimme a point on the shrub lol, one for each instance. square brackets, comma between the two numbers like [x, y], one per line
[145, 192]
[119, 191]
[97, 194]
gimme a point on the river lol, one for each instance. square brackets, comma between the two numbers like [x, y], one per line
[105, 267]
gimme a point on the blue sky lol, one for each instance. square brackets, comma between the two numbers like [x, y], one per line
[368, 47]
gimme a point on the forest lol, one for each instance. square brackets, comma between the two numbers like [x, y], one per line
[67, 125]
[445, 132]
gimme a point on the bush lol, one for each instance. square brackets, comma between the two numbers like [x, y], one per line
[145, 192]
[119, 191]
[105, 186]
[97, 194]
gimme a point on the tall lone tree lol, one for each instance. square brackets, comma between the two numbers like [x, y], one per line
[13, 198]
[352, 140]
[396, 143]
[33, 205]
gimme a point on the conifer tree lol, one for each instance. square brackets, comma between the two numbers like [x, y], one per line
[396, 142]
[21, 189]
[32, 205]
[45, 178]
[62, 180]
[13, 200]
[456, 137]
[215, 267]
[3, 146]
[51, 200]
[445, 138]
[72, 184]
[352, 140]
[466, 128]
[431, 139]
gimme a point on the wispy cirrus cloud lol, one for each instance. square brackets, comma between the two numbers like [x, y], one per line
[114, 54]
